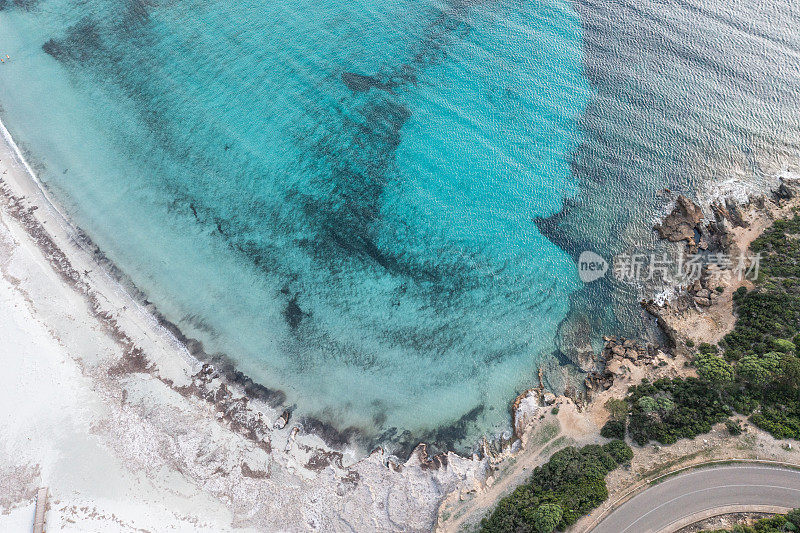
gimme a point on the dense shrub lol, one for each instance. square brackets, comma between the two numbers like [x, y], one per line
[568, 486]
[733, 427]
[762, 317]
[547, 517]
[784, 346]
[760, 369]
[614, 429]
[620, 451]
[617, 408]
[770, 315]
[765, 359]
[713, 368]
[684, 408]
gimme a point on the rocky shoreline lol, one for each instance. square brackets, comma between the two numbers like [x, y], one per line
[700, 311]
[180, 403]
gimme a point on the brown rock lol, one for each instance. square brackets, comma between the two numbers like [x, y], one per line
[705, 302]
[681, 223]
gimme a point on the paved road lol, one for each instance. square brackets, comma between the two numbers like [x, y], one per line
[699, 491]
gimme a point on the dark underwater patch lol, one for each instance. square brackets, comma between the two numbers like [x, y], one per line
[360, 83]
[137, 12]
[26, 5]
[81, 43]
[440, 440]
[293, 314]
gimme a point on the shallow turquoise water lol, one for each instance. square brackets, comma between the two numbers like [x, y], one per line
[345, 198]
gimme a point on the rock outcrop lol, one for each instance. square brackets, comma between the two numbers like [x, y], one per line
[525, 409]
[683, 223]
[784, 191]
[701, 290]
[622, 348]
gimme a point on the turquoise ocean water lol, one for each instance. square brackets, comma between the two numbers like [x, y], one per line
[373, 207]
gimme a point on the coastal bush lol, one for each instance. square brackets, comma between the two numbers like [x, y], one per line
[770, 314]
[759, 370]
[617, 408]
[568, 486]
[793, 517]
[614, 429]
[762, 317]
[790, 371]
[713, 368]
[707, 349]
[733, 427]
[676, 408]
[784, 346]
[621, 452]
[547, 517]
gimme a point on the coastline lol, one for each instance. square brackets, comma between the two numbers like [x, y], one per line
[178, 409]
[79, 248]
[577, 421]
[198, 418]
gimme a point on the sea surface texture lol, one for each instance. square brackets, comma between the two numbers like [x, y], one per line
[374, 208]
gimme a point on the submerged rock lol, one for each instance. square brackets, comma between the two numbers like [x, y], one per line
[574, 341]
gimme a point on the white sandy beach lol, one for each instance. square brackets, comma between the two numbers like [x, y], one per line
[107, 409]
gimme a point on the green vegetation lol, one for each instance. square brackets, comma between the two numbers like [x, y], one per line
[775, 524]
[733, 427]
[714, 369]
[671, 409]
[614, 429]
[568, 486]
[754, 371]
[617, 408]
[762, 348]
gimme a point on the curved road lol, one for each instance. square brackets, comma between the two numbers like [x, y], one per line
[661, 507]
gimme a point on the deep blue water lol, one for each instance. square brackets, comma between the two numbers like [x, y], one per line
[373, 207]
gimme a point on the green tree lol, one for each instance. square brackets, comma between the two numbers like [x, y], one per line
[784, 346]
[713, 368]
[665, 405]
[613, 429]
[790, 370]
[793, 517]
[648, 404]
[621, 452]
[707, 349]
[547, 517]
[759, 369]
